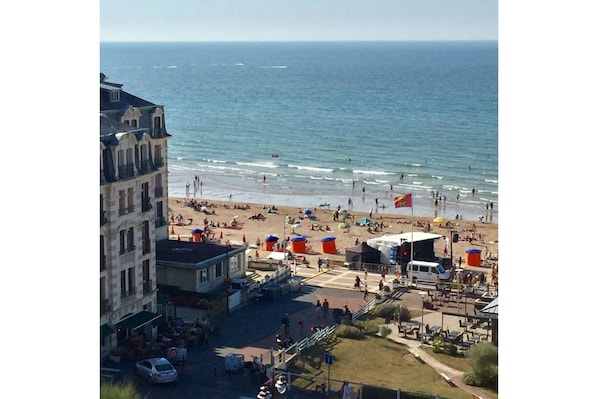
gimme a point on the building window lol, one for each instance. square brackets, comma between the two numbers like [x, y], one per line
[147, 282]
[122, 247]
[131, 281]
[203, 276]
[123, 283]
[219, 270]
[130, 239]
[114, 96]
[233, 264]
[122, 202]
[130, 199]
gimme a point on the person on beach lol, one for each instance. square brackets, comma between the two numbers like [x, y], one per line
[318, 309]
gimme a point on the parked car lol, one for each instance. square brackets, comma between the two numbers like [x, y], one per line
[156, 370]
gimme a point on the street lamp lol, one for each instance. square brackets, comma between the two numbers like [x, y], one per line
[421, 332]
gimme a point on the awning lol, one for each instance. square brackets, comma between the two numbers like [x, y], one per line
[138, 320]
[106, 330]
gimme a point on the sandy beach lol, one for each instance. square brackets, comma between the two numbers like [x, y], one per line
[485, 235]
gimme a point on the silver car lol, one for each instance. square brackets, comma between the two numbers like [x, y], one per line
[157, 370]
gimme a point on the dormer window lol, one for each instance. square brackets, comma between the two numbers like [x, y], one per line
[114, 96]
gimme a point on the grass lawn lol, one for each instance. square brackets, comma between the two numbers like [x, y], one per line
[376, 361]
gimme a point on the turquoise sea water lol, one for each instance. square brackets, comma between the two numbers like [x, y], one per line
[345, 120]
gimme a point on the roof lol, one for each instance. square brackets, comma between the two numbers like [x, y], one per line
[405, 237]
[110, 127]
[191, 252]
[491, 309]
[125, 99]
[361, 248]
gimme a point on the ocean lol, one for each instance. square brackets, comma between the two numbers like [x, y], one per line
[313, 123]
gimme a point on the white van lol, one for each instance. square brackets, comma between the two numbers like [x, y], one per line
[428, 272]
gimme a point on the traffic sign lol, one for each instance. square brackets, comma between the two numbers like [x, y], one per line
[328, 358]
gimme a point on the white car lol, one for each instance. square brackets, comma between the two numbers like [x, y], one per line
[157, 370]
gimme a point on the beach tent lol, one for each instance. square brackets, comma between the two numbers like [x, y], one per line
[474, 257]
[298, 244]
[329, 245]
[196, 233]
[307, 211]
[269, 242]
[361, 253]
[365, 220]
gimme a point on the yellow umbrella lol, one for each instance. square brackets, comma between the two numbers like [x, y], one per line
[438, 220]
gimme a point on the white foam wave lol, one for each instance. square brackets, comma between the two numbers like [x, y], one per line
[258, 164]
[215, 161]
[171, 66]
[274, 67]
[312, 168]
[373, 172]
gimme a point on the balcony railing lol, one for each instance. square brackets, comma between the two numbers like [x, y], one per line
[145, 165]
[147, 286]
[128, 293]
[146, 246]
[105, 306]
[158, 192]
[103, 218]
[146, 204]
[126, 171]
[124, 211]
[159, 162]
[160, 221]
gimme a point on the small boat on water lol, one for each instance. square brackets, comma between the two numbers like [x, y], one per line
[275, 155]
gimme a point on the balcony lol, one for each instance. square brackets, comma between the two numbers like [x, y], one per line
[160, 221]
[105, 306]
[146, 246]
[146, 204]
[159, 162]
[158, 192]
[103, 218]
[145, 166]
[124, 211]
[126, 171]
[127, 294]
[147, 286]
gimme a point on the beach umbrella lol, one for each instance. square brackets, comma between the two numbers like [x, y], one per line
[197, 231]
[438, 220]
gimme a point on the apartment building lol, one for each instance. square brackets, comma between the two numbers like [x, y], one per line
[133, 212]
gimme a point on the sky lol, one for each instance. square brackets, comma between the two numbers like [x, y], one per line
[298, 20]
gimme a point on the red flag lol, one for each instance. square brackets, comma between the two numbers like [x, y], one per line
[403, 201]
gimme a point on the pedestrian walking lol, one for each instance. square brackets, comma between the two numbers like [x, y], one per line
[319, 264]
[318, 309]
[357, 284]
[325, 307]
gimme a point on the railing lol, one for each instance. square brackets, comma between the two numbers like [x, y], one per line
[105, 306]
[159, 162]
[318, 336]
[126, 210]
[145, 165]
[126, 171]
[146, 246]
[147, 286]
[128, 293]
[146, 205]
[158, 192]
[160, 221]
[364, 309]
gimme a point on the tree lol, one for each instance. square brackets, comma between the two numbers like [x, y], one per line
[483, 359]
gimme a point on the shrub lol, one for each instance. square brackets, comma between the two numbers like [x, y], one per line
[404, 313]
[352, 332]
[384, 331]
[371, 327]
[120, 390]
[483, 359]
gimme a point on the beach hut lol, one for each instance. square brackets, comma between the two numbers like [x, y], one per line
[196, 233]
[269, 242]
[298, 244]
[329, 245]
[473, 257]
